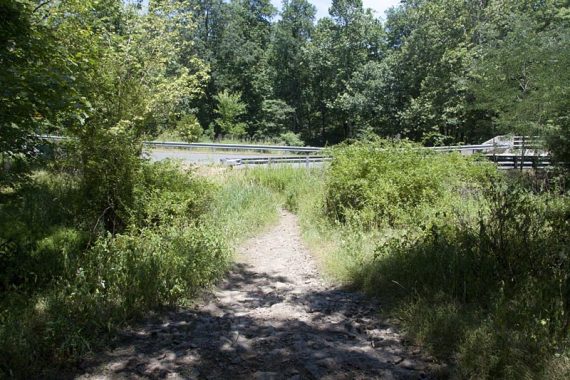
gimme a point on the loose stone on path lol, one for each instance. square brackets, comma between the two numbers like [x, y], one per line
[273, 317]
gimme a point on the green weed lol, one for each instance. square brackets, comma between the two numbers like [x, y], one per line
[473, 264]
[66, 288]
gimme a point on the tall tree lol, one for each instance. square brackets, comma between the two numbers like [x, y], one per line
[241, 56]
[341, 46]
[128, 80]
[289, 74]
[522, 73]
[432, 52]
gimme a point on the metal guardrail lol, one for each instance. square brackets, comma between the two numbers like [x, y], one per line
[469, 148]
[294, 149]
[503, 161]
[247, 147]
[178, 144]
[528, 142]
[512, 161]
[183, 145]
[307, 160]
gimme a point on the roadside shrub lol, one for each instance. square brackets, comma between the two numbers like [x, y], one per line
[473, 263]
[491, 285]
[154, 267]
[38, 230]
[110, 167]
[167, 195]
[189, 129]
[66, 288]
[383, 183]
[291, 139]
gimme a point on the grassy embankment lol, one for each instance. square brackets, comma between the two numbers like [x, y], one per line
[65, 287]
[473, 263]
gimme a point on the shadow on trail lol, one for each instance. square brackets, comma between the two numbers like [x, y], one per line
[259, 326]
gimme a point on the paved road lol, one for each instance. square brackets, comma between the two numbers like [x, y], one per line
[200, 157]
[211, 157]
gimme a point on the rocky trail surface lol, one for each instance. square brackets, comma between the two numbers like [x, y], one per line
[272, 318]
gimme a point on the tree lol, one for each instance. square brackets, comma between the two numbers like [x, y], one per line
[522, 68]
[289, 74]
[229, 109]
[339, 48]
[37, 83]
[240, 55]
[276, 119]
[126, 81]
[432, 48]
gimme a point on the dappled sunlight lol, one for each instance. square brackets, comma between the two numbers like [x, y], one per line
[272, 317]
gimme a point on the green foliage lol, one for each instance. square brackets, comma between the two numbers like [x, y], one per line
[473, 264]
[291, 79]
[508, 260]
[33, 91]
[520, 71]
[277, 116]
[67, 289]
[390, 183]
[230, 108]
[436, 72]
[101, 236]
[165, 197]
[189, 129]
[241, 207]
[286, 181]
[110, 169]
[291, 139]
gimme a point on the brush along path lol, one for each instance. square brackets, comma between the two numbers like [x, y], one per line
[272, 318]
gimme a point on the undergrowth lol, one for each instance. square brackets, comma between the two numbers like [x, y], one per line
[65, 288]
[473, 263]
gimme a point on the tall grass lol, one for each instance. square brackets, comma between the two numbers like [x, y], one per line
[474, 264]
[242, 208]
[65, 289]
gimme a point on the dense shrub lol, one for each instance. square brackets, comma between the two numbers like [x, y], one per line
[384, 183]
[110, 166]
[189, 129]
[291, 139]
[164, 196]
[472, 262]
[66, 288]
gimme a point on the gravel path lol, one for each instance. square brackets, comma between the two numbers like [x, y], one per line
[272, 318]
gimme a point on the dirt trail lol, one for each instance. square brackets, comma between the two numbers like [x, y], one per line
[272, 318]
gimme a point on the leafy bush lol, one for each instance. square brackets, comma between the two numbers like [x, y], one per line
[383, 183]
[473, 263]
[154, 266]
[66, 289]
[230, 109]
[110, 166]
[165, 196]
[189, 129]
[291, 139]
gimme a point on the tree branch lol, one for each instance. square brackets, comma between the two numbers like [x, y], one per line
[41, 5]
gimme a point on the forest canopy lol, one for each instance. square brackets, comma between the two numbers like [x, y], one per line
[438, 72]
